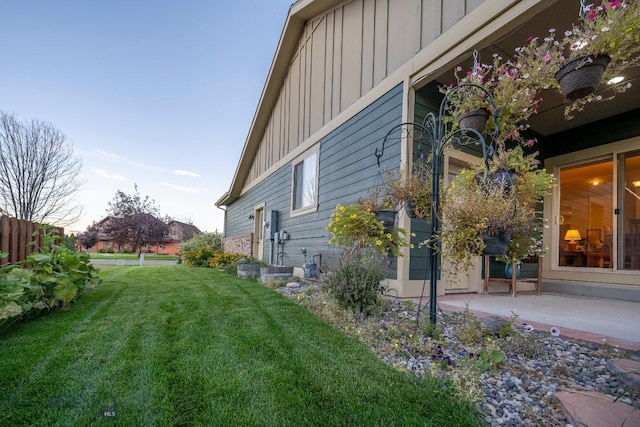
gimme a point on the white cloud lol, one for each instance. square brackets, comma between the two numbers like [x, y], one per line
[119, 159]
[186, 173]
[104, 174]
[179, 187]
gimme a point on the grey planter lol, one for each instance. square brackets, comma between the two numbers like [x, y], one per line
[275, 273]
[248, 270]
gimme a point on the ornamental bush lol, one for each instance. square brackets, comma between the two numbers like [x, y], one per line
[222, 259]
[197, 250]
[198, 257]
[356, 283]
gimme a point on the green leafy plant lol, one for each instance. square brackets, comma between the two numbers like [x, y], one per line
[355, 228]
[490, 359]
[52, 278]
[532, 184]
[512, 92]
[471, 206]
[197, 250]
[221, 259]
[411, 186]
[356, 283]
[251, 260]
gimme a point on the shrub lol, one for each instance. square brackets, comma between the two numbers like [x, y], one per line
[198, 257]
[356, 284]
[197, 251]
[211, 240]
[222, 259]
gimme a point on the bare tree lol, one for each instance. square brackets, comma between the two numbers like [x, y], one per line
[39, 173]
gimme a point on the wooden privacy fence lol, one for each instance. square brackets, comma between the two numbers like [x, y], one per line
[15, 236]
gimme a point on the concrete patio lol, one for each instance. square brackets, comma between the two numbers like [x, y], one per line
[588, 318]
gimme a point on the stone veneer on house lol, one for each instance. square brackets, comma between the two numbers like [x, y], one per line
[241, 244]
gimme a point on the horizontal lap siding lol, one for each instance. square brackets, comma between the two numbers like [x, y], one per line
[275, 191]
[347, 169]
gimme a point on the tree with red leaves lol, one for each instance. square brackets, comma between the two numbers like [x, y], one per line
[134, 221]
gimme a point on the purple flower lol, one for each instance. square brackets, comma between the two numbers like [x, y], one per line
[555, 331]
[528, 328]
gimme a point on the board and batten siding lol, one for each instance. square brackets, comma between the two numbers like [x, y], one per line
[347, 169]
[341, 55]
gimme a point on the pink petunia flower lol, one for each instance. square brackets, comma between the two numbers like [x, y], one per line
[555, 331]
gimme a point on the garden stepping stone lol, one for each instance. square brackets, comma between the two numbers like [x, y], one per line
[627, 371]
[591, 409]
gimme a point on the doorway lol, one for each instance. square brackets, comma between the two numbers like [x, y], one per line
[454, 163]
[258, 232]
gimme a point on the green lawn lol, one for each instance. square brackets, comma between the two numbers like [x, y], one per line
[95, 255]
[172, 345]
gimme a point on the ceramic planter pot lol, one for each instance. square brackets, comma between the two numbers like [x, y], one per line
[581, 77]
[508, 270]
[474, 119]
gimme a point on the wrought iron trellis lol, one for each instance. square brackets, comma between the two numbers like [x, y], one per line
[439, 133]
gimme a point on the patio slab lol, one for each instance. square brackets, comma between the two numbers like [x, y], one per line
[615, 322]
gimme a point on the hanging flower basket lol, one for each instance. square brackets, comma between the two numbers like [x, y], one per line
[474, 119]
[388, 218]
[496, 244]
[581, 77]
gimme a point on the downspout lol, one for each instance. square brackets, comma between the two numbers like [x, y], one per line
[225, 225]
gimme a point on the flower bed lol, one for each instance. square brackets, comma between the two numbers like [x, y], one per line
[518, 390]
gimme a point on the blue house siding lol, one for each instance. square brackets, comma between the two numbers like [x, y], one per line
[347, 169]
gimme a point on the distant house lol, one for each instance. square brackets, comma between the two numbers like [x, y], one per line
[178, 232]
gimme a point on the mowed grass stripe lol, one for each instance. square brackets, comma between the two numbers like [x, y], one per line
[170, 345]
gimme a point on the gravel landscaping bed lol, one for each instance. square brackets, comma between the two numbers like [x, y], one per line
[518, 391]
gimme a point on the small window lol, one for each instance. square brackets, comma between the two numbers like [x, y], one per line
[305, 183]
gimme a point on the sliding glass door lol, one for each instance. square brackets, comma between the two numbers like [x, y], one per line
[628, 211]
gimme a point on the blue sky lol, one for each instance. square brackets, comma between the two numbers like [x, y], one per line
[159, 93]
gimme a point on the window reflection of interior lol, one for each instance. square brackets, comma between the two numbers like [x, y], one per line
[629, 207]
[586, 208]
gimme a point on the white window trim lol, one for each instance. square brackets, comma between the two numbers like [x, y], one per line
[314, 206]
